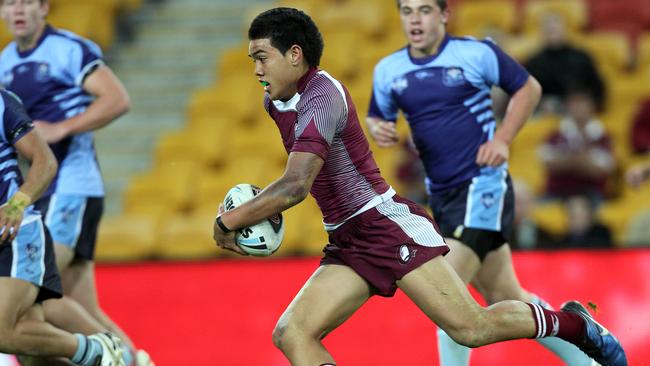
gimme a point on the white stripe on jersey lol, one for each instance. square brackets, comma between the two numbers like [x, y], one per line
[416, 227]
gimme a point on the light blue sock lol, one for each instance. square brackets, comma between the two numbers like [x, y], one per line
[127, 355]
[569, 353]
[451, 353]
[87, 351]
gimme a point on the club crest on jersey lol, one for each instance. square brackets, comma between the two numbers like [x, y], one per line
[405, 254]
[487, 199]
[453, 76]
[43, 72]
[400, 84]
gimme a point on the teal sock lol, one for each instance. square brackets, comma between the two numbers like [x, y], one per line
[87, 351]
[451, 353]
[569, 353]
[127, 355]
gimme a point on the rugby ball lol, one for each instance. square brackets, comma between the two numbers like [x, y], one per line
[261, 239]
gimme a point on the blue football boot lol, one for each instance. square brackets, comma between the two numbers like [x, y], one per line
[599, 343]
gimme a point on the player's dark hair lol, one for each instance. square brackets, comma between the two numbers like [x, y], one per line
[286, 27]
[442, 4]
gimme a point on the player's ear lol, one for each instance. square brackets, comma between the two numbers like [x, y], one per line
[445, 16]
[296, 55]
[45, 8]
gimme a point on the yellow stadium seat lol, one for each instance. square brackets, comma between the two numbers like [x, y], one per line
[638, 230]
[524, 162]
[5, 36]
[627, 91]
[521, 48]
[235, 60]
[126, 238]
[363, 17]
[304, 231]
[236, 98]
[551, 216]
[171, 183]
[608, 47]
[205, 145]
[188, 237]
[473, 18]
[211, 188]
[93, 20]
[340, 59]
[573, 12]
[643, 52]
[619, 213]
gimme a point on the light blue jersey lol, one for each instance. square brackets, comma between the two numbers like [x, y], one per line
[49, 79]
[446, 100]
[15, 124]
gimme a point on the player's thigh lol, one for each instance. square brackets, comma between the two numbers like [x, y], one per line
[438, 291]
[463, 259]
[330, 296]
[497, 279]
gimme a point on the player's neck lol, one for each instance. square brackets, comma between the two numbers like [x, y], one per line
[29, 42]
[431, 49]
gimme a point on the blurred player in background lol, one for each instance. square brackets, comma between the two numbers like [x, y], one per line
[68, 91]
[378, 240]
[442, 86]
[28, 274]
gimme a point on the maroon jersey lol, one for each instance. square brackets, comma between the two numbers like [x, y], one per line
[321, 119]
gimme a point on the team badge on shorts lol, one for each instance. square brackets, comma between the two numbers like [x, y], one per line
[405, 254]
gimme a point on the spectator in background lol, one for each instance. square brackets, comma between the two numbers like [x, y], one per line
[584, 230]
[527, 234]
[638, 174]
[640, 134]
[559, 65]
[578, 156]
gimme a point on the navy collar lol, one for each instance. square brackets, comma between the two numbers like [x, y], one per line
[426, 59]
[46, 31]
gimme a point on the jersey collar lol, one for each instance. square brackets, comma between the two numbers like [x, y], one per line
[425, 60]
[46, 31]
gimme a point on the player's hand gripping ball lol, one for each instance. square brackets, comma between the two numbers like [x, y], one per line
[261, 239]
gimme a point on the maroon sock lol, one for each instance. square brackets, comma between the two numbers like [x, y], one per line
[548, 323]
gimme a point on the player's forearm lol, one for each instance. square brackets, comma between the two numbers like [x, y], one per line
[41, 172]
[105, 109]
[277, 197]
[521, 106]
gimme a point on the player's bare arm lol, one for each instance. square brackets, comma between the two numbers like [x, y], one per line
[383, 132]
[42, 170]
[111, 101]
[291, 189]
[522, 103]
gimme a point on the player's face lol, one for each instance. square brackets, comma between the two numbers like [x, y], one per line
[423, 23]
[277, 72]
[24, 17]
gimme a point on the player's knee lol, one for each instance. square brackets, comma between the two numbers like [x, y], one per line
[283, 333]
